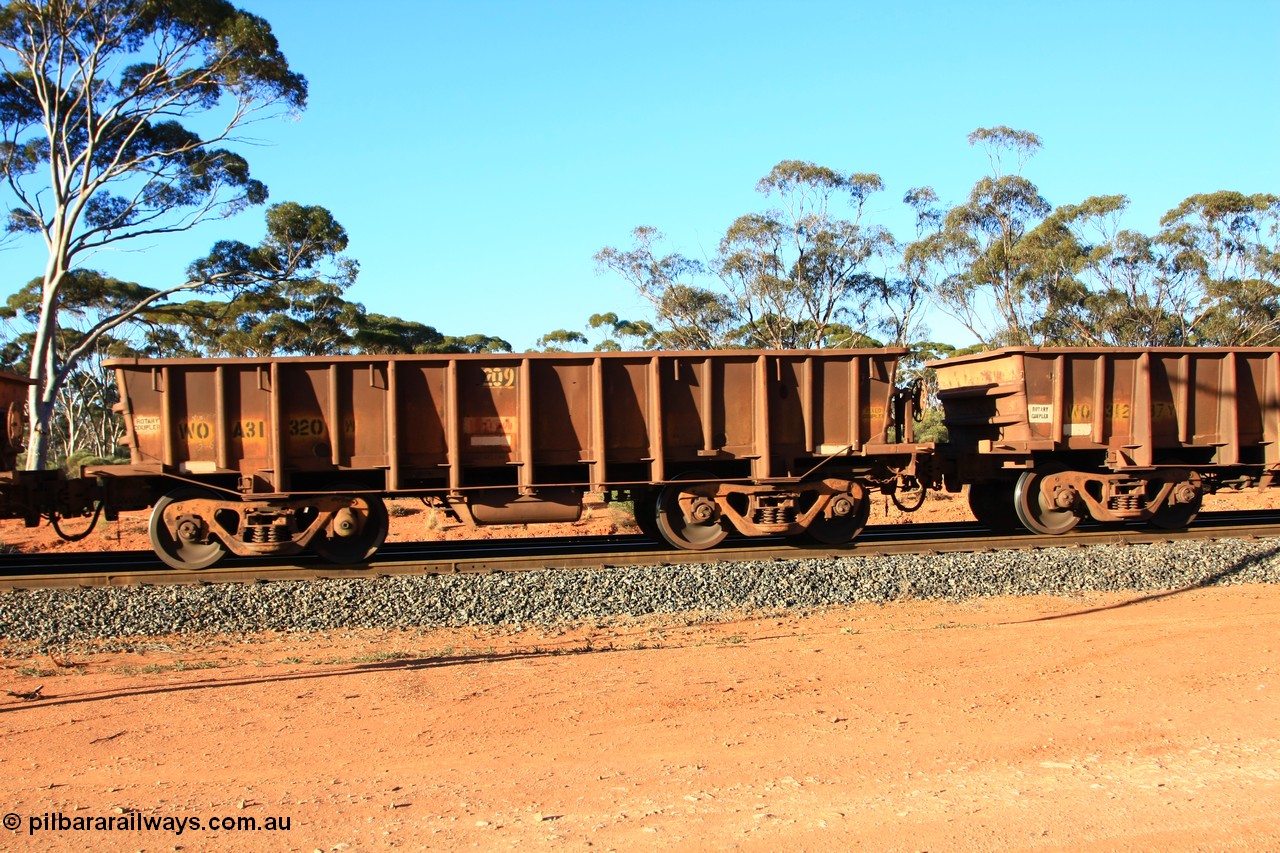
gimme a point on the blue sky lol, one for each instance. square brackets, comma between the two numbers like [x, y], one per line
[480, 153]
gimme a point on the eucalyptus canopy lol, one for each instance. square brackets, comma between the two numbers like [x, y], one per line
[117, 121]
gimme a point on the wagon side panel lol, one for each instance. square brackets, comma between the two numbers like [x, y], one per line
[628, 414]
[423, 417]
[561, 423]
[491, 438]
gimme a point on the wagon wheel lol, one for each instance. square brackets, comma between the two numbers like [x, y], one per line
[1177, 516]
[14, 420]
[365, 522]
[184, 539]
[839, 529]
[688, 520]
[1036, 510]
[992, 505]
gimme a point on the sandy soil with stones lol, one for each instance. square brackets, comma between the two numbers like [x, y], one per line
[1110, 722]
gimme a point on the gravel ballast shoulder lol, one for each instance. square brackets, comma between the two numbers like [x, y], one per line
[556, 597]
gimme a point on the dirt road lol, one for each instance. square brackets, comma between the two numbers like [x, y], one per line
[1112, 723]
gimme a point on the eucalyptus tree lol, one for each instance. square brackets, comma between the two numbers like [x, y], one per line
[689, 317]
[976, 262]
[619, 334]
[476, 342]
[114, 121]
[795, 275]
[561, 340]
[1209, 276]
[1111, 286]
[380, 334]
[1228, 244]
[84, 419]
[801, 266]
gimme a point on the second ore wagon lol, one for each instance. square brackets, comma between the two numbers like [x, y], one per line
[1060, 434]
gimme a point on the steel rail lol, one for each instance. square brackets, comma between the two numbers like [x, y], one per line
[533, 554]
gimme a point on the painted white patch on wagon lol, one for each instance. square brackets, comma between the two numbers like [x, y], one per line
[1040, 413]
[1079, 429]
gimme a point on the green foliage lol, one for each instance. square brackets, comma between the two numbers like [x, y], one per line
[94, 152]
[619, 334]
[688, 317]
[115, 117]
[123, 159]
[1003, 141]
[1228, 244]
[1015, 270]
[800, 267]
[561, 340]
[804, 273]
[383, 335]
[75, 461]
[976, 258]
[931, 427]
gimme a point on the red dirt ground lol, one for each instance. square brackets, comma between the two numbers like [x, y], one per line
[1110, 722]
[1116, 722]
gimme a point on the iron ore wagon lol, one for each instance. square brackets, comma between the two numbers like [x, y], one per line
[1060, 434]
[274, 455]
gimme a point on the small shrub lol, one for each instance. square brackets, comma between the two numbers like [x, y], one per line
[931, 427]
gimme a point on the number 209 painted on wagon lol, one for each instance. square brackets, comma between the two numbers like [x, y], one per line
[499, 377]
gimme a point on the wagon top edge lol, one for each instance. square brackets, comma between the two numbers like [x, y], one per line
[6, 376]
[510, 357]
[1093, 352]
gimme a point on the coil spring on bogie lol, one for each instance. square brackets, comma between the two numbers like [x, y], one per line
[775, 514]
[266, 533]
[1125, 502]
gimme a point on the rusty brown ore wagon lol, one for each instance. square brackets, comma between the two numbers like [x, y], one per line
[1118, 435]
[274, 455]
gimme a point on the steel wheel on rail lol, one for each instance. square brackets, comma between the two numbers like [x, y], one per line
[992, 505]
[841, 527]
[181, 537]
[1036, 510]
[1175, 516]
[686, 519]
[355, 532]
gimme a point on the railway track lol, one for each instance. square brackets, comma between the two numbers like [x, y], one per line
[142, 568]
